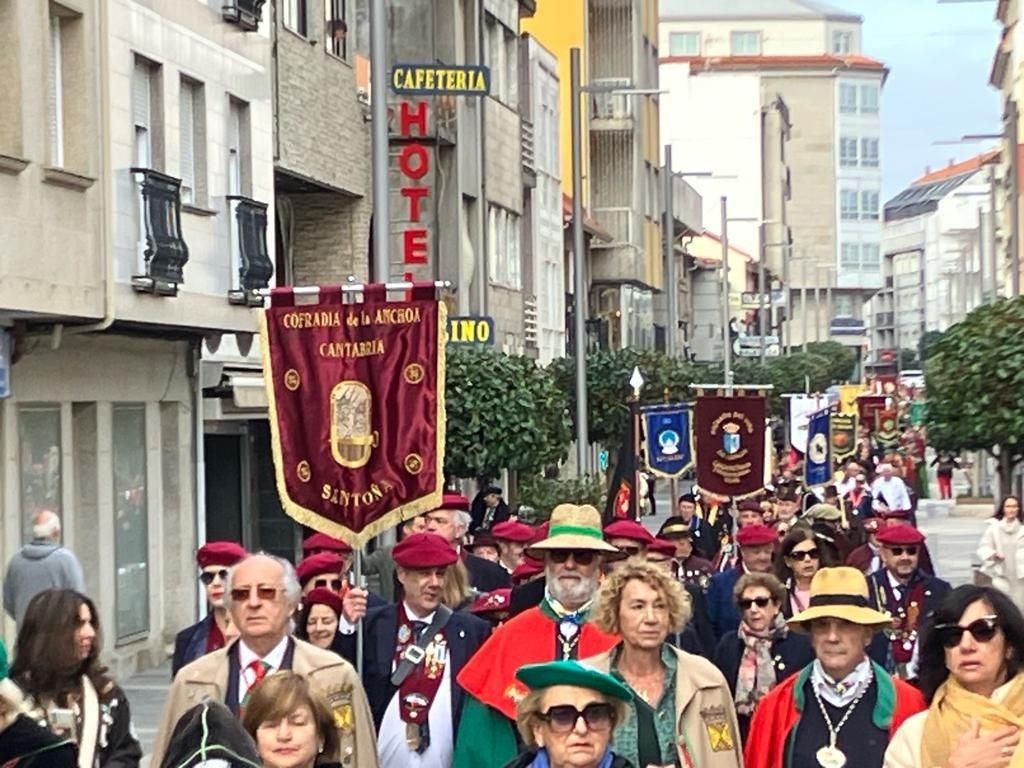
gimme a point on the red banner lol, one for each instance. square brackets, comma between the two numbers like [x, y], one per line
[868, 407]
[729, 435]
[357, 419]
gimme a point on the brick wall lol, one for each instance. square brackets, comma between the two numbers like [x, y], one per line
[503, 160]
[331, 238]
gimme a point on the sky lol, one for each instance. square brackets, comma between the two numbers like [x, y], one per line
[939, 57]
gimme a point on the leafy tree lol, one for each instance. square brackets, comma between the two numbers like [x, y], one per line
[926, 344]
[504, 412]
[975, 382]
[544, 493]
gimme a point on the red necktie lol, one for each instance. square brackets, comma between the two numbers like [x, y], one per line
[259, 669]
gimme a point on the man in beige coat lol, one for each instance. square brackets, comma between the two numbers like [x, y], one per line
[262, 593]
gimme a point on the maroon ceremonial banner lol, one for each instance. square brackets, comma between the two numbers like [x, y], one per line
[357, 419]
[868, 407]
[729, 434]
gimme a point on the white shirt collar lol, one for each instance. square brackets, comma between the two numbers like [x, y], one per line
[841, 692]
[274, 659]
[895, 583]
[429, 618]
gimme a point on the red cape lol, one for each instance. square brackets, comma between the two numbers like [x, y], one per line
[776, 716]
[529, 638]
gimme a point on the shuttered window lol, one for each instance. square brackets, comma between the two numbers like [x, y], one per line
[235, 149]
[187, 130]
[142, 100]
[56, 96]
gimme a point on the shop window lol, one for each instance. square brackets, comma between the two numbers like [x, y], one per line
[40, 463]
[131, 526]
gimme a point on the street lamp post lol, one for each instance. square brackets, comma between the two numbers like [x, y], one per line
[726, 350]
[579, 279]
[668, 244]
[379, 149]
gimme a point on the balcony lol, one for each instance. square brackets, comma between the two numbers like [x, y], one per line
[251, 267]
[245, 13]
[162, 249]
[611, 111]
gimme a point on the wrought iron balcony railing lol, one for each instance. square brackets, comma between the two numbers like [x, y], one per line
[163, 251]
[245, 13]
[251, 267]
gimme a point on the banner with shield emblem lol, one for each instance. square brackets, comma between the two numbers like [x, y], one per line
[818, 461]
[668, 439]
[730, 442]
[843, 435]
[356, 401]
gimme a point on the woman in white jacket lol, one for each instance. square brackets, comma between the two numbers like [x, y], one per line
[1002, 551]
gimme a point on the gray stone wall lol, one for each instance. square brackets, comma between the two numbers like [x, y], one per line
[331, 238]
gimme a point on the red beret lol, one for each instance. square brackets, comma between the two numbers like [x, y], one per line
[321, 564]
[321, 541]
[424, 550]
[483, 539]
[527, 569]
[488, 602]
[750, 505]
[541, 532]
[454, 501]
[219, 553]
[321, 596]
[907, 535]
[662, 547]
[509, 531]
[756, 535]
[628, 529]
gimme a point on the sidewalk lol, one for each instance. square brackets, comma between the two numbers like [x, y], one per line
[146, 693]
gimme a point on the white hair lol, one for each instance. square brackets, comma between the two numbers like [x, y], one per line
[289, 579]
[47, 525]
[463, 518]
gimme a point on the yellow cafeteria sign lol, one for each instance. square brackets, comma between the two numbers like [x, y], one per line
[425, 79]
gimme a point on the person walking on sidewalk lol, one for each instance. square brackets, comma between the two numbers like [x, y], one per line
[944, 463]
[44, 563]
[1002, 550]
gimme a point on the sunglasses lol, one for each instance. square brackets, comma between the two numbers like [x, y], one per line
[334, 584]
[761, 602]
[207, 577]
[560, 556]
[911, 550]
[631, 551]
[982, 630]
[563, 718]
[804, 554]
[241, 594]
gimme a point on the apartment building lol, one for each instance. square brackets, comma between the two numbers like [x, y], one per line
[724, 66]
[136, 176]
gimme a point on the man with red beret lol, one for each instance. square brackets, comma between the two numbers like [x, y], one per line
[451, 522]
[867, 558]
[630, 537]
[412, 654]
[512, 538]
[757, 546]
[321, 542]
[906, 592]
[379, 563]
[213, 558]
[485, 546]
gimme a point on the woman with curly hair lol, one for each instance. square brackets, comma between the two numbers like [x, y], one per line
[682, 712]
[57, 665]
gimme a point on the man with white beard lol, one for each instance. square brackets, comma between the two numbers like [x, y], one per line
[556, 630]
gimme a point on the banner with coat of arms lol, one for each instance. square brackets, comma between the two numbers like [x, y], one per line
[730, 444]
[842, 435]
[887, 427]
[668, 439]
[818, 461]
[356, 401]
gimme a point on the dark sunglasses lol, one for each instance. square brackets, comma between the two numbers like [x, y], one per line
[582, 557]
[207, 577]
[563, 718]
[760, 602]
[631, 551]
[334, 584]
[911, 550]
[804, 554]
[241, 594]
[982, 630]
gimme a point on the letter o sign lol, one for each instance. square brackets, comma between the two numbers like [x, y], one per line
[414, 161]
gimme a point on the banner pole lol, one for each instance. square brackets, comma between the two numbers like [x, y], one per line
[357, 568]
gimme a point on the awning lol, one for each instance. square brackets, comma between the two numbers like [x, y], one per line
[248, 390]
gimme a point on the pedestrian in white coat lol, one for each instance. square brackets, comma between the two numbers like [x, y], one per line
[1002, 550]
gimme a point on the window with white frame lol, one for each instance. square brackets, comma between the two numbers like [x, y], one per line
[848, 205]
[501, 54]
[684, 43]
[849, 256]
[745, 43]
[869, 99]
[145, 112]
[870, 257]
[295, 15]
[503, 248]
[335, 28]
[55, 94]
[847, 98]
[869, 205]
[842, 42]
[239, 182]
[192, 138]
[869, 153]
[847, 152]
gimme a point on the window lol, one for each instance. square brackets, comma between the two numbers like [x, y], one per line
[192, 137]
[869, 153]
[335, 28]
[684, 43]
[239, 179]
[850, 257]
[869, 205]
[847, 152]
[295, 16]
[842, 305]
[869, 99]
[847, 98]
[146, 114]
[39, 450]
[502, 57]
[56, 94]
[745, 43]
[848, 209]
[842, 42]
[131, 534]
[870, 257]
[503, 247]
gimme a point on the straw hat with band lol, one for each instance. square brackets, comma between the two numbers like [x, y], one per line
[575, 528]
[840, 593]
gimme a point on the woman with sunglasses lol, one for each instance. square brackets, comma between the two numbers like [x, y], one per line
[317, 622]
[972, 678]
[569, 716]
[798, 559]
[1002, 550]
[762, 652]
[211, 632]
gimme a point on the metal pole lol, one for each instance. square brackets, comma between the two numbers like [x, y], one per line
[817, 302]
[897, 340]
[579, 283]
[668, 244]
[379, 115]
[994, 250]
[1011, 148]
[761, 281]
[726, 349]
[786, 326]
[981, 256]
[803, 297]
[827, 331]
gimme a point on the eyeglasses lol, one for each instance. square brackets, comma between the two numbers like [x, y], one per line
[581, 557]
[334, 584]
[982, 630]
[911, 550]
[804, 554]
[207, 577]
[563, 718]
[241, 594]
[631, 551]
[746, 603]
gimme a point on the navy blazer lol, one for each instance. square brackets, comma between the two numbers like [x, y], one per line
[485, 576]
[790, 654]
[464, 631]
[721, 605]
[190, 644]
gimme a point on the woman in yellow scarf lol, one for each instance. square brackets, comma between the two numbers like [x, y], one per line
[972, 676]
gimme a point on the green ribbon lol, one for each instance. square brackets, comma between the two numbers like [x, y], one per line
[582, 530]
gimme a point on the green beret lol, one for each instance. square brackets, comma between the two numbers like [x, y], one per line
[551, 673]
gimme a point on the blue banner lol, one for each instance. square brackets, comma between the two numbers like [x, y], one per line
[668, 439]
[818, 459]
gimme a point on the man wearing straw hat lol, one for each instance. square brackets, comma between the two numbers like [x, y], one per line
[841, 709]
[557, 629]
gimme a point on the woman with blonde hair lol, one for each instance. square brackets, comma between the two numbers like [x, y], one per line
[682, 711]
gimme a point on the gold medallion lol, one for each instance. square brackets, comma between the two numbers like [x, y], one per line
[413, 463]
[413, 373]
[292, 380]
[303, 471]
[830, 757]
[352, 436]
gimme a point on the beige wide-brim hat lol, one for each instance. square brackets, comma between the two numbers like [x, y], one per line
[576, 528]
[840, 593]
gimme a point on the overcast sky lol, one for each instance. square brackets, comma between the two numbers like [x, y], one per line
[939, 57]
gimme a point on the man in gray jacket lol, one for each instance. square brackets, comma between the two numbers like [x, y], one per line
[44, 563]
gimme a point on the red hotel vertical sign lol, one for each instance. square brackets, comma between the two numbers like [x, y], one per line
[414, 163]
